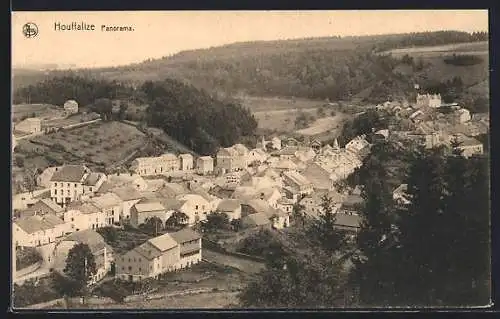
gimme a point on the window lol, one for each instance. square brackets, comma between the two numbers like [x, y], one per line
[130, 268]
[55, 192]
[196, 206]
[140, 269]
[68, 184]
[123, 268]
[55, 184]
[72, 219]
[75, 184]
[129, 260]
[90, 188]
[68, 192]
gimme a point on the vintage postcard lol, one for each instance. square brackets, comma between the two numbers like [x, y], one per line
[250, 160]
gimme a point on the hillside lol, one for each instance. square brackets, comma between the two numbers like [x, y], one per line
[318, 68]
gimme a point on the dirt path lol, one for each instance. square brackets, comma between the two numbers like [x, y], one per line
[245, 265]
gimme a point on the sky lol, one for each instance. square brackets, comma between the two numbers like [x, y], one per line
[160, 33]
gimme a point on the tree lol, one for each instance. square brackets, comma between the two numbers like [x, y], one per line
[104, 107]
[65, 286]
[323, 230]
[152, 225]
[19, 161]
[80, 264]
[30, 179]
[236, 224]
[298, 214]
[177, 220]
[110, 234]
[123, 110]
[216, 221]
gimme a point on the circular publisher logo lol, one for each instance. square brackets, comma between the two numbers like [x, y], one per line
[30, 30]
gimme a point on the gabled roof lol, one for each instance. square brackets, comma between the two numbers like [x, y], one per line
[172, 204]
[147, 250]
[228, 205]
[92, 179]
[186, 155]
[163, 242]
[126, 193]
[318, 176]
[205, 158]
[143, 207]
[191, 197]
[185, 235]
[297, 178]
[401, 189]
[33, 224]
[84, 207]
[50, 204]
[346, 220]
[106, 200]
[69, 173]
[90, 237]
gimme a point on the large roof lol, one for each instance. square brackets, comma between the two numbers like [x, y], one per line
[106, 200]
[297, 178]
[92, 179]
[69, 173]
[228, 205]
[163, 242]
[318, 176]
[346, 220]
[49, 203]
[148, 250]
[84, 207]
[185, 235]
[126, 193]
[90, 237]
[142, 207]
[33, 224]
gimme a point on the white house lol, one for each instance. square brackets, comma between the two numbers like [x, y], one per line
[44, 178]
[357, 145]
[462, 115]
[129, 196]
[131, 179]
[399, 194]
[257, 155]
[84, 215]
[34, 231]
[232, 158]
[429, 100]
[298, 182]
[110, 205]
[204, 165]
[70, 182]
[186, 162]
[71, 106]
[161, 165]
[195, 207]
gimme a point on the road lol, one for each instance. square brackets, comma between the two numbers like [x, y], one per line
[245, 265]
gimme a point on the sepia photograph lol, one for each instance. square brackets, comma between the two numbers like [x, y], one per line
[250, 160]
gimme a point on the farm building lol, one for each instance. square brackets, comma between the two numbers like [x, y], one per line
[29, 125]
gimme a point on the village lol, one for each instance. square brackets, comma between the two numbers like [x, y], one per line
[254, 188]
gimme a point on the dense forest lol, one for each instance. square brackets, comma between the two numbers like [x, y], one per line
[191, 116]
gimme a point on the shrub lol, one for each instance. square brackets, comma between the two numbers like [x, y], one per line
[463, 60]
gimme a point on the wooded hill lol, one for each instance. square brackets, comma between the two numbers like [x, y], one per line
[317, 68]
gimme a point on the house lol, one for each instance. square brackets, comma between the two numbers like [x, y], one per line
[297, 181]
[257, 155]
[71, 107]
[84, 215]
[278, 218]
[129, 196]
[357, 145]
[284, 164]
[186, 162]
[44, 178]
[195, 207]
[383, 133]
[256, 220]
[172, 190]
[34, 231]
[151, 259]
[150, 166]
[313, 203]
[155, 184]
[232, 158]
[145, 209]
[286, 205]
[318, 176]
[399, 194]
[231, 207]
[462, 116]
[276, 143]
[42, 207]
[27, 199]
[71, 182]
[428, 100]
[470, 146]
[111, 206]
[190, 250]
[32, 125]
[205, 165]
[102, 252]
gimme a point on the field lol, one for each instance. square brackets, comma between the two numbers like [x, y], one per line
[101, 144]
[331, 124]
[475, 48]
[20, 111]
